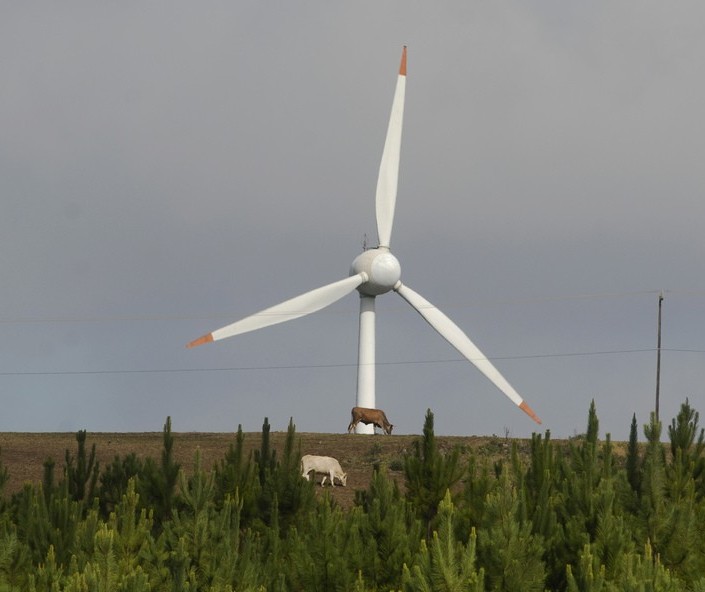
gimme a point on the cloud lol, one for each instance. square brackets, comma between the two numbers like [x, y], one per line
[166, 170]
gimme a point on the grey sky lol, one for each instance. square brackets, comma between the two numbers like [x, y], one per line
[167, 168]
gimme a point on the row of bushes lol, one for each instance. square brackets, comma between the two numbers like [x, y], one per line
[572, 516]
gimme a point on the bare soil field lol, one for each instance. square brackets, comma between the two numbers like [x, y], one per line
[23, 454]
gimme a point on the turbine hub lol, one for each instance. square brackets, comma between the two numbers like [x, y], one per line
[382, 269]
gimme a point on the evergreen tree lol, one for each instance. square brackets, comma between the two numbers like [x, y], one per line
[654, 504]
[4, 478]
[579, 479]
[319, 551]
[11, 551]
[479, 482]
[613, 537]
[81, 471]
[265, 457]
[632, 463]
[14, 564]
[158, 482]
[235, 474]
[508, 551]
[191, 524]
[202, 541]
[588, 575]
[281, 480]
[294, 494]
[669, 510]
[43, 524]
[103, 574]
[48, 485]
[445, 564]
[540, 495]
[647, 572]
[133, 528]
[391, 531]
[558, 519]
[48, 574]
[540, 483]
[429, 474]
[265, 466]
[687, 450]
[671, 506]
[637, 573]
[114, 480]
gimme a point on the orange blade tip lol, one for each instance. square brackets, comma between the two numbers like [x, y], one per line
[201, 340]
[402, 67]
[529, 411]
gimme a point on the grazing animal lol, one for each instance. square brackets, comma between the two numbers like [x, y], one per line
[327, 465]
[370, 416]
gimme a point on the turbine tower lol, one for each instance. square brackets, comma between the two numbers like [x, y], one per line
[373, 273]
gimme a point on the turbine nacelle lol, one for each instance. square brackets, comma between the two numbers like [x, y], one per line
[381, 268]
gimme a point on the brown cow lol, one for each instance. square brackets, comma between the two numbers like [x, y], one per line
[370, 416]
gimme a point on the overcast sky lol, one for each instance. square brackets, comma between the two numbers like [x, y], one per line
[169, 167]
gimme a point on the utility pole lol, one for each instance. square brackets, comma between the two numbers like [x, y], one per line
[658, 354]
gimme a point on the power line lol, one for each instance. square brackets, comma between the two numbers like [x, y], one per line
[341, 365]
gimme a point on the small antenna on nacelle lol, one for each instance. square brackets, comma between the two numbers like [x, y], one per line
[364, 242]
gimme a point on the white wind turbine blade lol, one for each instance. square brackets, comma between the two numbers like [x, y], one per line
[455, 336]
[389, 168]
[293, 308]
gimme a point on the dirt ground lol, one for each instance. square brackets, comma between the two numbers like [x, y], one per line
[23, 454]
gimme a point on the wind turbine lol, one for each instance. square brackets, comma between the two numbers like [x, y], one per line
[373, 273]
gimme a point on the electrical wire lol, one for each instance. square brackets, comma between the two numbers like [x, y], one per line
[143, 318]
[342, 365]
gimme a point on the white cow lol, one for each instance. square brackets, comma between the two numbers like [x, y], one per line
[326, 465]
